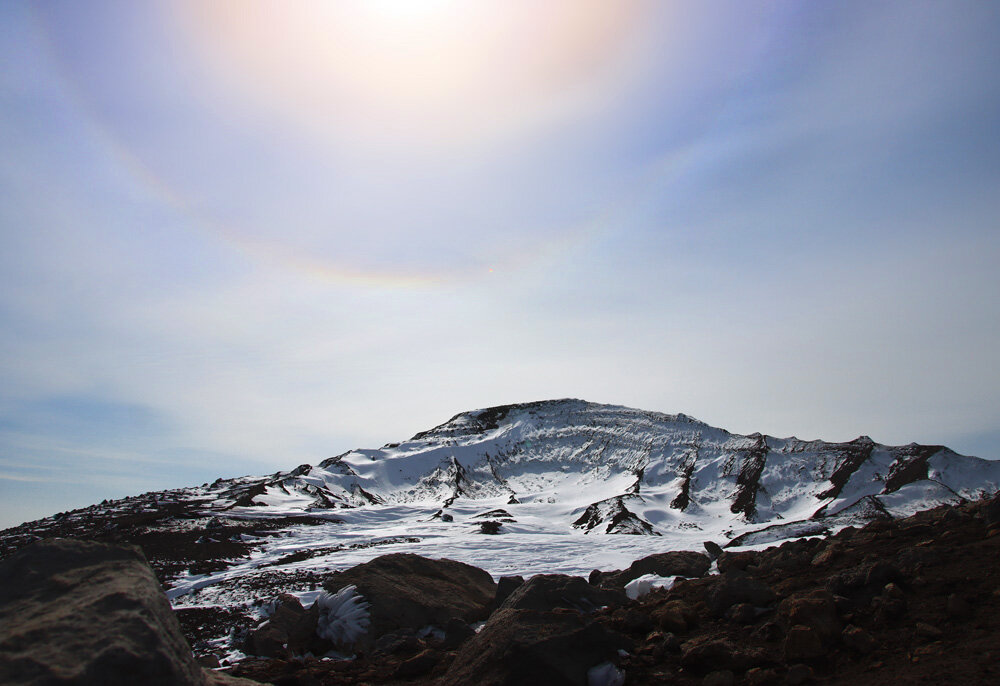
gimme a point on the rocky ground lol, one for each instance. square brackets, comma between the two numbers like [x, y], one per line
[913, 601]
[909, 601]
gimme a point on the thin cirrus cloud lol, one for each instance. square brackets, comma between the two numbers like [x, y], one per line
[233, 244]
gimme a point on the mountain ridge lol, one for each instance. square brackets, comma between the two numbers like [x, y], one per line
[668, 467]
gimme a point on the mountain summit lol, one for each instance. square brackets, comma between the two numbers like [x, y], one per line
[609, 469]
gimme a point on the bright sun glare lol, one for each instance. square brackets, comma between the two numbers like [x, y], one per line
[430, 67]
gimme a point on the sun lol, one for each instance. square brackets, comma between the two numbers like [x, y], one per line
[438, 69]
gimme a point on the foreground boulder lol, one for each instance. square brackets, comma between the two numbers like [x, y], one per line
[79, 612]
[407, 591]
[519, 647]
[685, 563]
[550, 591]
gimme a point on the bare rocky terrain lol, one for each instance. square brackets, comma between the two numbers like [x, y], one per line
[907, 601]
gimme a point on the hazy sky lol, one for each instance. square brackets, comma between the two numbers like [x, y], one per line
[236, 237]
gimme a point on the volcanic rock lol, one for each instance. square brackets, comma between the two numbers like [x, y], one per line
[79, 612]
[410, 591]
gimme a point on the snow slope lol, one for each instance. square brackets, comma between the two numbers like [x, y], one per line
[609, 469]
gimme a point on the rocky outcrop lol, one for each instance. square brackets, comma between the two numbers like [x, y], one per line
[551, 591]
[684, 563]
[534, 647]
[79, 612]
[410, 591]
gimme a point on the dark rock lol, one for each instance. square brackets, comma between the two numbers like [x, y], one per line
[78, 612]
[505, 586]
[713, 549]
[549, 591]
[769, 631]
[816, 610]
[798, 674]
[722, 677]
[410, 591]
[456, 632]
[490, 527]
[675, 563]
[858, 639]
[402, 641]
[803, 643]
[705, 652]
[533, 647]
[419, 664]
[925, 630]
[684, 563]
[990, 511]
[731, 589]
[674, 617]
[742, 613]
[957, 608]
[291, 630]
[865, 576]
[729, 561]
[760, 676]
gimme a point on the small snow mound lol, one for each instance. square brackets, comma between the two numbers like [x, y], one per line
[605, 674]
[646, 583]
[343, 616]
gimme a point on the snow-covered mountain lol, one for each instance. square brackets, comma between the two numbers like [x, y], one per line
[609, 469]
[555, 479]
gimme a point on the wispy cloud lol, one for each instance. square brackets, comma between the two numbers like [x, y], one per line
[781, 221]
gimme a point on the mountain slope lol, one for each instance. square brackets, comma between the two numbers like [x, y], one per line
[602, 465]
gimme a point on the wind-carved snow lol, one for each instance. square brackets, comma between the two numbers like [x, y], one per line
[343, 616]
[566, 472]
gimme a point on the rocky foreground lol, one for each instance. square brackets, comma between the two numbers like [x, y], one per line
[915, 600]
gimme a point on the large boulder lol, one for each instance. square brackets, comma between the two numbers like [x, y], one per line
[79, 612]
[534, 647]
[550, 591]
[686, 563]
[291, 630]
[407, 591]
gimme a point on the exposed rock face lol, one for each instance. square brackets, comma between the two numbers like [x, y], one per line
[78, 612]
[533, 647]
[410, 591]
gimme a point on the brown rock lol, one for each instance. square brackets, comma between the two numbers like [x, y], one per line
[742, 613]
[410, 591]
[533, 647]
[816, 610]
[735, 588]
[672, 616]
[858, 639]
[803, 643]
[957, 607]
[722, 677]
[798, 674]
[79, 612]
[705, 652]
[419, 664]
[927, 631]
[760, 676]
[550, 591]
[739, 561]
[291, 630]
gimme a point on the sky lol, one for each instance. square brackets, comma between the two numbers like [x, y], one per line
[236, 237]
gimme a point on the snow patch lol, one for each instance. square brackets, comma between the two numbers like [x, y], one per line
[605, 674]
[646, 583]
